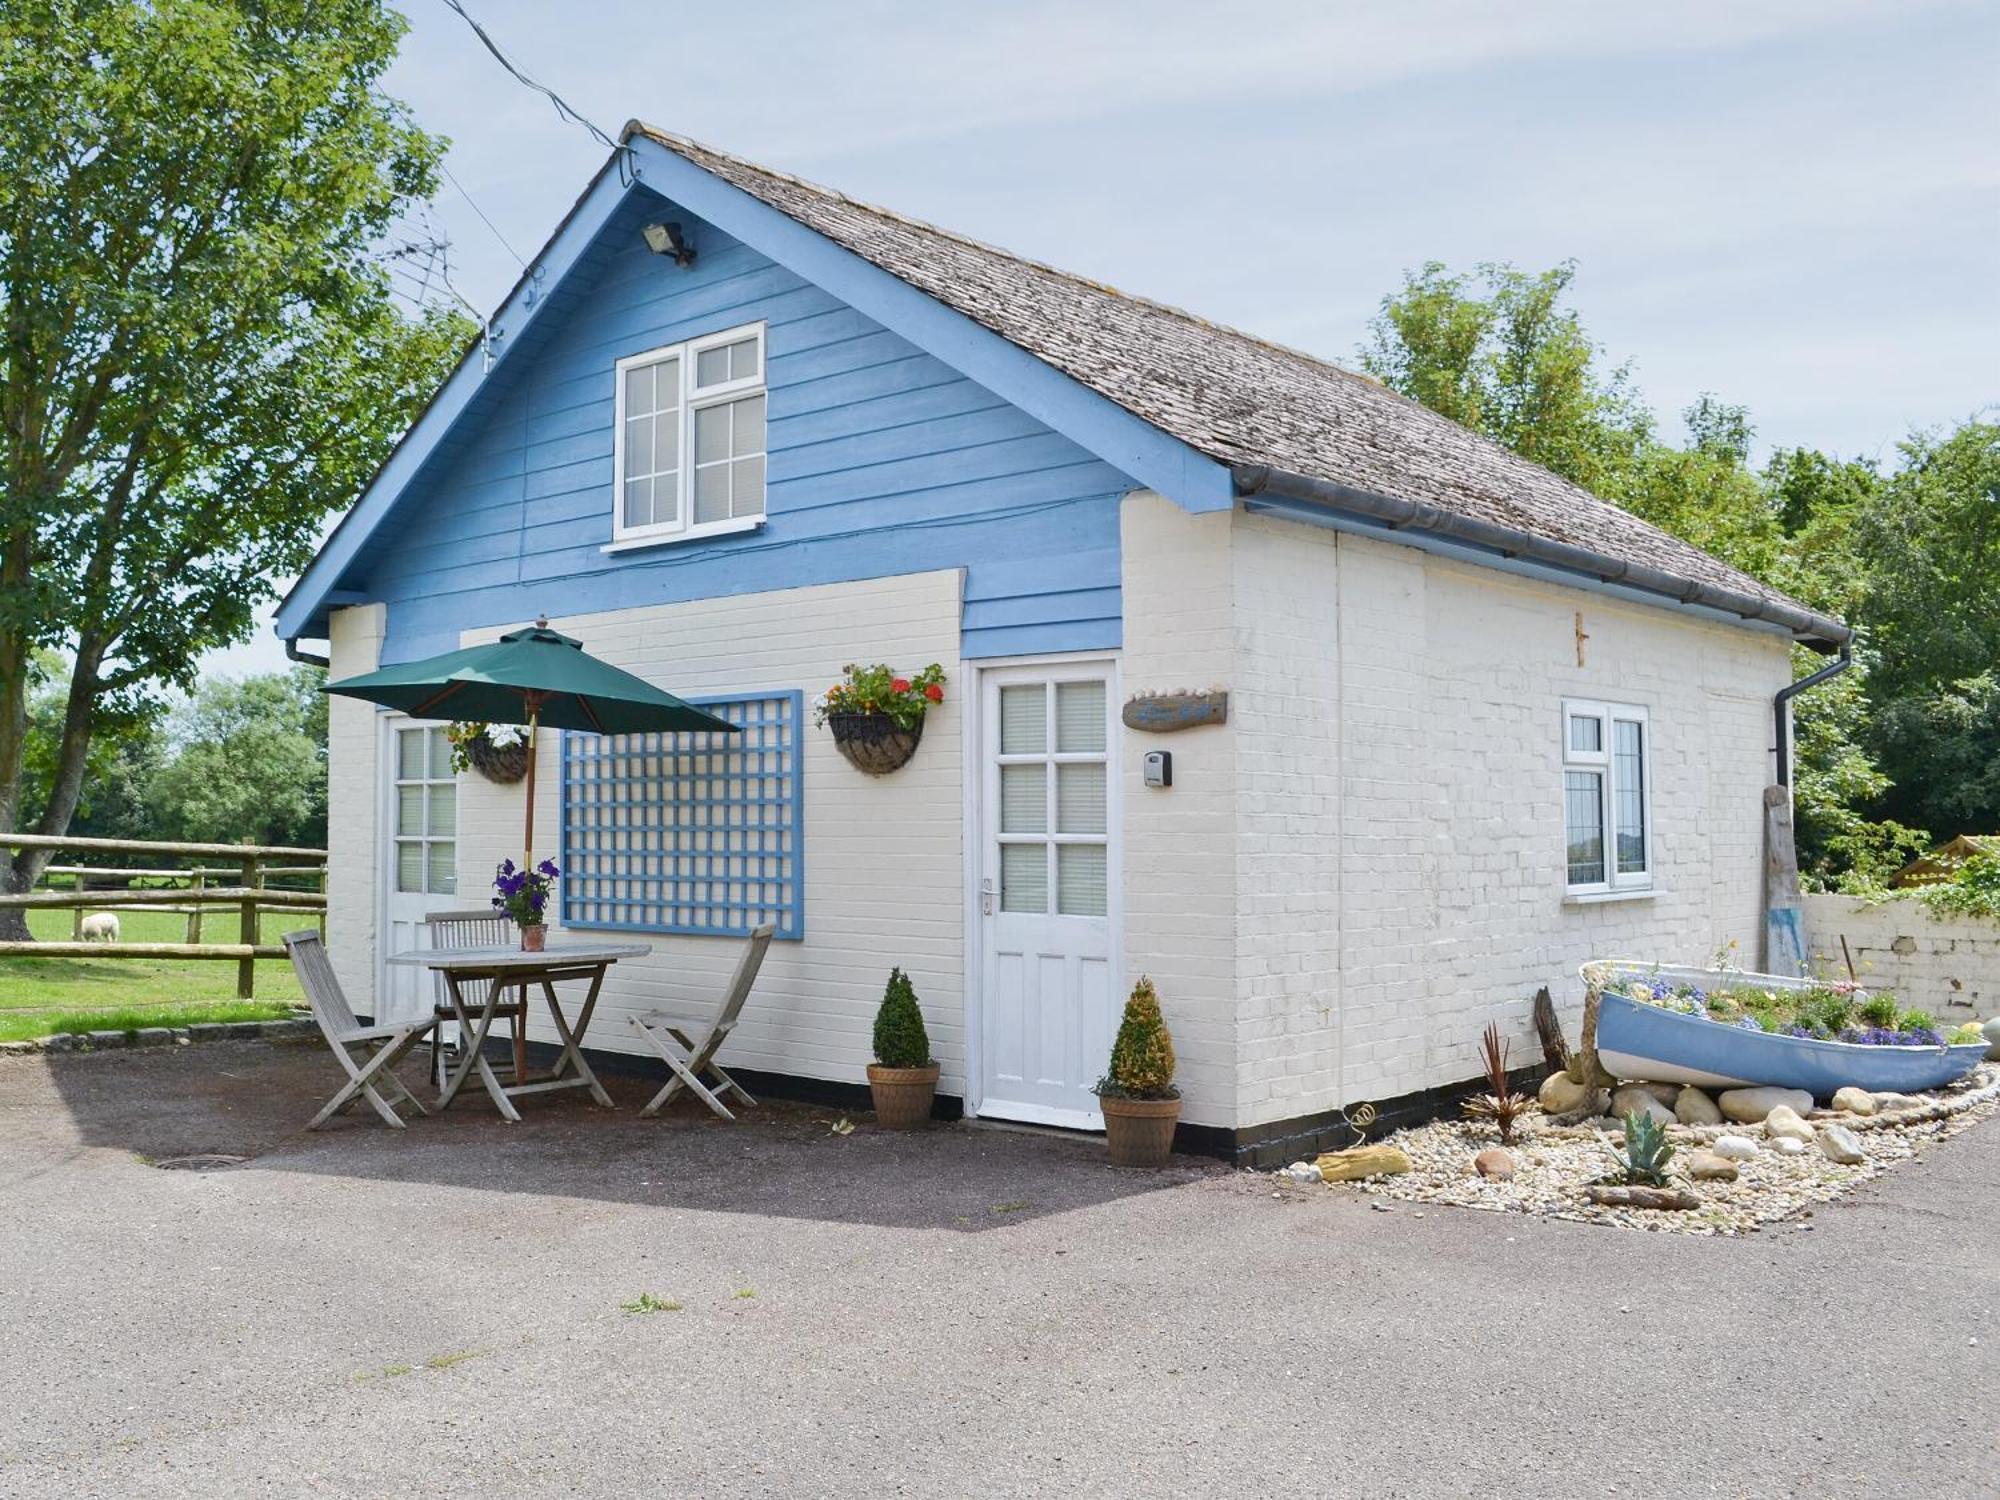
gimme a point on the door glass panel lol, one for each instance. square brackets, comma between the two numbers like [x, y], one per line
[409, 754]
[443, 874]
[1024, 720]
[440, 756]
[444, 809]
[410, 865]
[1080, 798]
[409, 809]
[1024, 877]
[1024, 799]
[1080, 880]
[1080, 718]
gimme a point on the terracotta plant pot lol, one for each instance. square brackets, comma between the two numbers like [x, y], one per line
[902, 1095]
[874, 743]
[503, 765]
[535, 938]
[1140, 1132]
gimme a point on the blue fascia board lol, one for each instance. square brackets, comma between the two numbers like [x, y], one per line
[1425, 541]
[303, 607]
[1122, 439]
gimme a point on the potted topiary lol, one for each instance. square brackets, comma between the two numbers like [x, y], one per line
[903, 1078]
[1140, 1101]
[877, 717]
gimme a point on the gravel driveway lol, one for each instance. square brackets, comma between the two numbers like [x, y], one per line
[967, 1311]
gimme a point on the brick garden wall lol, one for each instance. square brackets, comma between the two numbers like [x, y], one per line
[1948, 966]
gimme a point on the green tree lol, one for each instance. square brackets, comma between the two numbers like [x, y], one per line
[249, 762]
[199, 353]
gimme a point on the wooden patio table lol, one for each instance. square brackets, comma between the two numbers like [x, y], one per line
[509, 969]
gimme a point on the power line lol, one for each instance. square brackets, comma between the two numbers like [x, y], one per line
[562, 105]
[482, 216]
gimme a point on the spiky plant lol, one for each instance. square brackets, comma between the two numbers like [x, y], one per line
[1142, 1058]
[1647, 1150]
[1500, 1103]
[900, 1038]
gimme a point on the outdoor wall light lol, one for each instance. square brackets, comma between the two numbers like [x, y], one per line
[669, 239]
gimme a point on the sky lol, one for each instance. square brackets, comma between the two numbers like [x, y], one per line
[1793, 205]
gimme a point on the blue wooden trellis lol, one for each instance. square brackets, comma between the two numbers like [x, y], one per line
[689, 833]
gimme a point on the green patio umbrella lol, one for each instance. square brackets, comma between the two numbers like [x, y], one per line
[534, 677]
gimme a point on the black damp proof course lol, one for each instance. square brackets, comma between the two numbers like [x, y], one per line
[699, 833]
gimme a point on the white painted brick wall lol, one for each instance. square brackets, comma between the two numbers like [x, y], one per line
[1949, 966]
[353, 803]
[883, 856]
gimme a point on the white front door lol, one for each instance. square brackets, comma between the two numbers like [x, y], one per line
[419, 858]
[1048, 865]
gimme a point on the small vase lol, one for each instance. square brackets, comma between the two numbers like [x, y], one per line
[533, 938]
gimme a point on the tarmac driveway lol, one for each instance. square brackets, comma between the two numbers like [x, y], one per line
[963, 1312]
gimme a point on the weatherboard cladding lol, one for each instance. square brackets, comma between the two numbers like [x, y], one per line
[1235, 398]
[883, 460]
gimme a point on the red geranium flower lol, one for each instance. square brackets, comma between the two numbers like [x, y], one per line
[935, 693]
[900, 685]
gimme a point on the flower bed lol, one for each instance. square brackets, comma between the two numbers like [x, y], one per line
[1825, 1012]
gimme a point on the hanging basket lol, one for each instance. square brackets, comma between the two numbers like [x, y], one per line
[503, 765]
[874, 743]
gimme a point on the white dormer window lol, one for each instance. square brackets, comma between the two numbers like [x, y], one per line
[689, 450]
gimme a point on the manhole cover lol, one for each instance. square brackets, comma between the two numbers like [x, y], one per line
[206, 1161]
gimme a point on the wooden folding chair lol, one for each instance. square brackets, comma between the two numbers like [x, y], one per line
[368, 1053]
[690, 1060]
[482, 927]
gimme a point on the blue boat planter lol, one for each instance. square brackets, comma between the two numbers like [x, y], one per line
[1635, 1040]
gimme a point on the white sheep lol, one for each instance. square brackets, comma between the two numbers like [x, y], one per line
[101, 927]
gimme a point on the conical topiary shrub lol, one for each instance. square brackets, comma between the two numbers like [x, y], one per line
[1142, 1058]
[1137, 1094]
[903, 1077]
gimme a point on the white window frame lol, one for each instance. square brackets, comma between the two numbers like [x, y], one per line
[684, 527]
[1604, 762]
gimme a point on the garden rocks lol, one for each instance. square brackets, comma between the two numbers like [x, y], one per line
[1301, 1171]
[1789, 1145]
[1783, 1123]
[1854, 1101]
[1693, 1107]
[1494, 1162]
[1707, 1166]
[1887, 1102]
[1561, 1094]
[1748, 1106]
[1734, 1147]
[1839, 1144]
[1992, 1032]
[1639, 1099]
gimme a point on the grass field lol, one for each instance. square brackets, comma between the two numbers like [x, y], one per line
[34, 990]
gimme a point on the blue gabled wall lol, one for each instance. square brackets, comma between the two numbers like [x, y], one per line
[883, 460]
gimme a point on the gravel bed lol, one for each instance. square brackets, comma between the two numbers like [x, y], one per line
[1553, 1164]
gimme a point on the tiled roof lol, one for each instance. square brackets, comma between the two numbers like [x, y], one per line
[1236, 398]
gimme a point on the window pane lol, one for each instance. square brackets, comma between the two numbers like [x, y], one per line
[1024, 720]
[639, 445]
[711, 493]
[1586, 733]
[638, 502]
[1080, 798]
[1583, 820]
[1024, 877]
[440, 756]
[747, 426]
[711, 367]
[1024, 799]
[410, 754]
[638, 390]
[443, 868]
[746, 487]
[666, 441]
[1629, 793]
[667, 392]
[743, 359]
[409, 809]
[1080, 717]
[711, 434]
[444, 809]
[1080, 880]
[666, 498]
[410, 866]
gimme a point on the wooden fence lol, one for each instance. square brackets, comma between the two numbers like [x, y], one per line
[244, 869]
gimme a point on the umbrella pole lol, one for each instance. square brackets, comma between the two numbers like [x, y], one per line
[528, 846]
